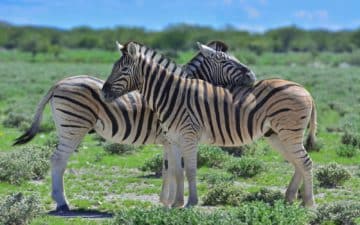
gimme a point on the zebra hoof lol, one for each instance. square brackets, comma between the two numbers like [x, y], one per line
[63, 208]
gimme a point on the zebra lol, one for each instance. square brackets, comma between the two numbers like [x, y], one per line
[193, 111]
[77, 108]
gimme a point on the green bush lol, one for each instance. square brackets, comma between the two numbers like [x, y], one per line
[211, 156]
[100, 140]
[265, 195]
[339, 213]
[18, 209]
[17, 120]
[223, 194]
[217, 178]
[263, 213]
[332, 175]
[350, 138]
[346, 151]
[247, 213]
[244, 150]
[154, 165]
[245, 167]
[159, 215]
[119, 149]
[23, 164]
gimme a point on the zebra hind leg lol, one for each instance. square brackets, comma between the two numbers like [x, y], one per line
[293, 143]
[292, 190]
[59, 161]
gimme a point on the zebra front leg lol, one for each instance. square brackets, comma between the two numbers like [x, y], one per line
[172, 193]
[190, 164]
[168, 179]
[176, 168]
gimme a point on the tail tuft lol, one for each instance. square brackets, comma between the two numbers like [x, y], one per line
[26, 137]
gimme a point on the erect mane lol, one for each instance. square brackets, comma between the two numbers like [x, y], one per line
[218, 46]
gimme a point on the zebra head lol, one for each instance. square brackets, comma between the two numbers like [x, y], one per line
[124, 76]
[224, 68]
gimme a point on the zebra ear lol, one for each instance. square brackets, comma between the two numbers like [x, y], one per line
[119, 46]
[205, 50]
[218, 46]
[132, 49]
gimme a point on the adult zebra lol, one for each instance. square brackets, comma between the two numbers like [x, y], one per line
[77, 108]
[192, 111]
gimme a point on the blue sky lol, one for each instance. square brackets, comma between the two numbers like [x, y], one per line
[255, 15]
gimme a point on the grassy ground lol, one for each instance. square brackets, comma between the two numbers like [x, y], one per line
[97, 180]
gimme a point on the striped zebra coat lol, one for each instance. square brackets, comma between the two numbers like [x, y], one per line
[77, 108]
[192, 111]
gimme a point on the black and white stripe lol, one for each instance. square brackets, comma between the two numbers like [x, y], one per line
[78, 107]
[192, 111]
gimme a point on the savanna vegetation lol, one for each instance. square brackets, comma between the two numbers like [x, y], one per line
[236, 186]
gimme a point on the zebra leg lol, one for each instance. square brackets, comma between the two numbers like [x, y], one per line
[299, 157]
[167, 195]
[190, 163]
[165, 184]
[176, 195]
[292, 190]
[59, 161]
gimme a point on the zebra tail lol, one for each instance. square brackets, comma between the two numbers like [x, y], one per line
[311, 139]
[34, 129]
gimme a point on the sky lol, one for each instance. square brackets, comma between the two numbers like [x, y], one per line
[255, 15]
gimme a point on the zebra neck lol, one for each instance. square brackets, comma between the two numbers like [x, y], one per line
[159, 85]
[197, 69]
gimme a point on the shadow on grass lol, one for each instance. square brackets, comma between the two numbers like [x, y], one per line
[81, 213]
[149, 176]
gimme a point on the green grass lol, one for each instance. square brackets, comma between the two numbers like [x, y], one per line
[97, 180]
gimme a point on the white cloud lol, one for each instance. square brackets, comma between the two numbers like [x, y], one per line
[252, 12]
[312, 15]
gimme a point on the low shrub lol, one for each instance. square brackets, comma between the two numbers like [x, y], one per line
[332, 175]
[245, 167]
[211, 156]
[119, 149]
[244, 150]
[18, 209]
[263, 213]
[223, 194]
[100, 140]
[346, 151]
[265, 195]
[159, 215]
[339, 213]
[350, 138]
[154, 165]
[217, 178]
[247, 213]
[30, 162]
[17, 120]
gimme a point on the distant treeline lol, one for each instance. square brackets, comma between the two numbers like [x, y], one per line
[177, 38]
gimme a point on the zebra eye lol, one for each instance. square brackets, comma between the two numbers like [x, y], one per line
[125, 70]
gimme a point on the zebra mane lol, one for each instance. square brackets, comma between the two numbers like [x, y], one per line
[154, 57]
